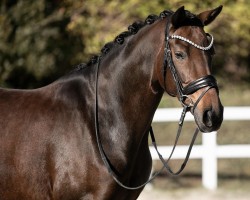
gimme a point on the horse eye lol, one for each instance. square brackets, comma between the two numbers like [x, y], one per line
[180, 55]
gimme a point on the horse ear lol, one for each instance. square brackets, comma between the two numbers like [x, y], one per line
[208, 16]
[178, 17]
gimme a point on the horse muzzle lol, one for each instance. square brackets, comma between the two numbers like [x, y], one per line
[208, 113]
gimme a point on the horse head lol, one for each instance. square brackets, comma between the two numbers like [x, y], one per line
[188, 53]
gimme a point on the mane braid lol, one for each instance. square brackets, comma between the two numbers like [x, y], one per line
[132, 30]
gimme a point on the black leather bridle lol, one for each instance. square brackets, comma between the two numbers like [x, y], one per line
[183, 92]
[206, 82]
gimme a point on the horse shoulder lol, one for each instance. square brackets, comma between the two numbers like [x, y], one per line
[45, 137]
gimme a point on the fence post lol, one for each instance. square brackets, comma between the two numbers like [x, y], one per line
[209, 161]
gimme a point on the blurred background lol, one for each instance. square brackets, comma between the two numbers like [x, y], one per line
[42, 40]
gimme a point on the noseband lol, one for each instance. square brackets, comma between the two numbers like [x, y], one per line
[206, 82]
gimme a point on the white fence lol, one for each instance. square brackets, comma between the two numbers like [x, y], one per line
[208, 151]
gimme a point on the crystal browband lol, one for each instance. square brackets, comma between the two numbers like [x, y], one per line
[192, 43]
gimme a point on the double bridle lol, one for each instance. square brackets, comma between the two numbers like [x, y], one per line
[206, 82]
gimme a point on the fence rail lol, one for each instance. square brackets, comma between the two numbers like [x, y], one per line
[209, 151]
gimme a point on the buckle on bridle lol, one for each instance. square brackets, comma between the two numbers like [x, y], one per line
[184, 98]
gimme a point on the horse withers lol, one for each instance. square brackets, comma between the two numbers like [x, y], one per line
[57, 141]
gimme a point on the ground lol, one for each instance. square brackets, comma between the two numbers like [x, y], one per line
[190, 188]
[192, 194]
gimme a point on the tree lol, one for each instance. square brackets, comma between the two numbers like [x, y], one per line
[43, 39]
[35, 43]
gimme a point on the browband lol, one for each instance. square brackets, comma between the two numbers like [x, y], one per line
[192, 43]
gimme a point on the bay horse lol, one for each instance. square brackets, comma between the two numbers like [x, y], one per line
[49, 146]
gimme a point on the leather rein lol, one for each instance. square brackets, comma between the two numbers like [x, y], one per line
[206, 82]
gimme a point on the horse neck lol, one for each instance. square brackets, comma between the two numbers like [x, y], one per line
[127, 100]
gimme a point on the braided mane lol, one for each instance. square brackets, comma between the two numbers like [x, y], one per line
[132, 30]
[189, 20]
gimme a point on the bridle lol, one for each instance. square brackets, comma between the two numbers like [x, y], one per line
[183, 92]
[206, 82]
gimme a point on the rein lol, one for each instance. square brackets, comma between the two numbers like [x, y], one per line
[206, 82]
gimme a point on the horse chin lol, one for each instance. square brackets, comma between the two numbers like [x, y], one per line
[209, 120]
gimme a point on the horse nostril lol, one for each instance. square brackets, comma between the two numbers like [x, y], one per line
[207, 118]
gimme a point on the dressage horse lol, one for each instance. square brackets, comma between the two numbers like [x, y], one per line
[57, 141]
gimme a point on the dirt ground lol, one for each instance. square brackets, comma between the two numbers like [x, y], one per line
[193, 194]
[191, 189]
